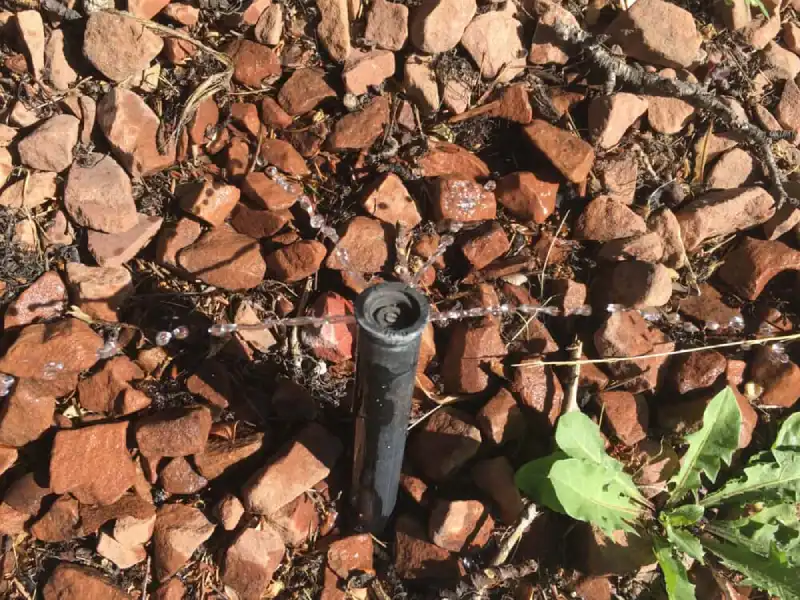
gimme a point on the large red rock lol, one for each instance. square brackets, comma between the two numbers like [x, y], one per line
[131, 128]
[658, 32]
[118, 46]
[26, 413]
[296, 261]
[460, 524]
[437, 26]
[99, 195]
[59, 523]
[306, 461]
[173, 432]
[178, 477]
[779, 379]
[334, 342]
[99, 291]
[43, 300]
[387, 25]
[605, 219]
[443, 443]
[472, 347]
[626, 415]
[253, 63]
[224, 258]
[75, 582]
[611, 116]
[495, 477]
[220, 456]
[284, 156]
[501, 419]
[92, 463]
[751, 266]
[68, 347]
[178, 532]
[723, 212]
[539, 388]
[462, 200]
[303, 91]
[527, 196]
[114, 250]
[359, 130]
[417, 558]
[49, 146]
[569, 153]
[389, 200]
[251, 560]
[365, 243]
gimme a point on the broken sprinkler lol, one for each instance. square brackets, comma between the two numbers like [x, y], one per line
[390, 318]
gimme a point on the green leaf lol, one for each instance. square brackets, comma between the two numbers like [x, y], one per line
[675, 577]
[768, 573]
[786, 447]
[761, 481]
[770, 530]
[685, 541]
[579, 437]
[688, 514]
[580, 489]
[708, 448]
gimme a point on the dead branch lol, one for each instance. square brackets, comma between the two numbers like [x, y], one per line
[523, 523]
[574, 378]
[617, 70]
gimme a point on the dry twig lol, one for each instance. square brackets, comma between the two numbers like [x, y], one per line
[523, 523]
[618, 70]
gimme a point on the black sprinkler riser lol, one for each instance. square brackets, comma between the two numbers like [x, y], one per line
[390, 318]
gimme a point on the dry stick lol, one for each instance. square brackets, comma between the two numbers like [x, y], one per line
[490, 577]
[574, 378]
[604, 361]
[523, 523]
[618, 70]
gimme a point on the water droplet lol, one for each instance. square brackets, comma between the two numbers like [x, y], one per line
[305, 204]
[713, 326]
[52, 369]
[737, 322]
[784, 358]
[766, 329]
[612, 308]
[582, 311]
[108, 350]
[181, 332]
[650, 314]
[673, 318]
[6, 383]
[163, 338]
[317, 221]
[271, 171]
[778, 348]
[222, 329]
[490, 185]
[552, 311]
[690, 328]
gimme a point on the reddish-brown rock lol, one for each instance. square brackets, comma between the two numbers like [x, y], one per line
[69, 343]
[569, 153]
[284, 156]
[114, 250]
[251, 560]
[443, 443]
[365, 243]
[626, 414]
[352, 553]
[709, 309]
[106, 390]
[220, 456]
[8, 456]
[174, 589]
[389, 200]
[99, 291]
[204, 121]
[99, 195]
[734, 169]
[334, 342]
[306, 461]
[92, 463]
[49, 146]
[211, 202]
[12, 522]
[26, 413]
[646, 247]
[229, 511]
[258, 224]
[59, 523]
[486, 246]
[178, 532]
[417, 558]
[456, 525]
[750, 267]
[527, 196]
[121, 555]
[605, 219]
[273, 115]
[245, 116]
[224, 258]
[173, 238]
[296, 261]
[173, 432]
[30, 192]
[437, 26]
[75, 582]
[538, 388]
[722, 213]
[133, 45]
[212, 382]
[779, 379]
[387, 25]
[462, 200]
[298, 521]
[268, 193]
[501, 419]
[657, 32]
[43, 300]
[359, 130]
[610, 117]
[367, 69]
[495, 477]
[131, 128]
[444, 159]
[253, 63]
[178, 477]
[303, 91]
[27, 493]
[471, 349]
[636, 284]
[698, 370]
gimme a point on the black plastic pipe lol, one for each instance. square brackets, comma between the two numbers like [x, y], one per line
[390, 318]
